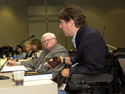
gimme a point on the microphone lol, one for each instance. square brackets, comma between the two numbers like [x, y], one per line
[104, 31]
[1, 76]
[104, 27]
[3, 65]
[27, 39]
[32, 36]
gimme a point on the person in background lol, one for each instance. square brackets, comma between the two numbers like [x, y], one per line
[29, 51]
[36, 46]
[24, 48]
[20, 53]
[51, 49]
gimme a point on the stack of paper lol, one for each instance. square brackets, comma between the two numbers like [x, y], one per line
[13, 68]
[37, 82]
[37, 77]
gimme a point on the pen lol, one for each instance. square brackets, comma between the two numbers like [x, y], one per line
[11, 59]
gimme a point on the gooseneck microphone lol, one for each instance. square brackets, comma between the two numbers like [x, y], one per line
[1, 76]
[104, 31]
[32, 36]
[3, 65]
[27, 39]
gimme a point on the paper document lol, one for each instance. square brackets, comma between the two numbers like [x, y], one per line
[13, 68]
[37, 82]
[37, 77]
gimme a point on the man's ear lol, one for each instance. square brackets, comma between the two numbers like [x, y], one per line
[55, 39]
[71, 22]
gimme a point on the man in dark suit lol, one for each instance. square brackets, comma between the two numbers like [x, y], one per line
[90, 46]
[52, 49]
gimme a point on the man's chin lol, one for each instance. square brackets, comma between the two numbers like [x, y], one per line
[65, 34]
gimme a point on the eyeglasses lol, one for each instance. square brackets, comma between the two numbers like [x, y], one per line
[47, 40]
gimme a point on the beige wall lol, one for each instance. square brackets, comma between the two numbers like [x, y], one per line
[13, 24]
[14, 28]
[109, 13]
[114, 20]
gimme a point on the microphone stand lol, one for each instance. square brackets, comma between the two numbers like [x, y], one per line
[27, 39]
[1, 76]
[104, 31]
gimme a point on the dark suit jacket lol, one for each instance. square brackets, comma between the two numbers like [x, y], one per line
[91, 50]
[29, 55]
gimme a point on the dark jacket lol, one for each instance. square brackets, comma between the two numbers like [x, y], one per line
[29, 55]
[91, 50]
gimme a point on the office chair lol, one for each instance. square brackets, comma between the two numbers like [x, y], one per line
[107, 83]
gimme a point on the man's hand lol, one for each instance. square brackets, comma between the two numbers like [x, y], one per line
[52, 63]
[65, 72]
[55, 62]
[11, 63]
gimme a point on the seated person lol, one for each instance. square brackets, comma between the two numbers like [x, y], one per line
[20, 53]
[52, 49]
[24, 48]
[36, 47]
[88, 42]
[28, 49]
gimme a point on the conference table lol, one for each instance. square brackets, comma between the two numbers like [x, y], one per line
[122, 63]
[30, 87]
[44, 86]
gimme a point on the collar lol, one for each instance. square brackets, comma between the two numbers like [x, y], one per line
[73, 39]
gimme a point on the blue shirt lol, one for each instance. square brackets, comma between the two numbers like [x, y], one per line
[73, 40]
[74, 43]
[22, 56]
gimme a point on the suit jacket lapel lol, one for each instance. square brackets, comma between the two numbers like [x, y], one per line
[79, 36]
[41, 58]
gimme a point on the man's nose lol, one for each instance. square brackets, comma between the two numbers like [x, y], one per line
[60, 26]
